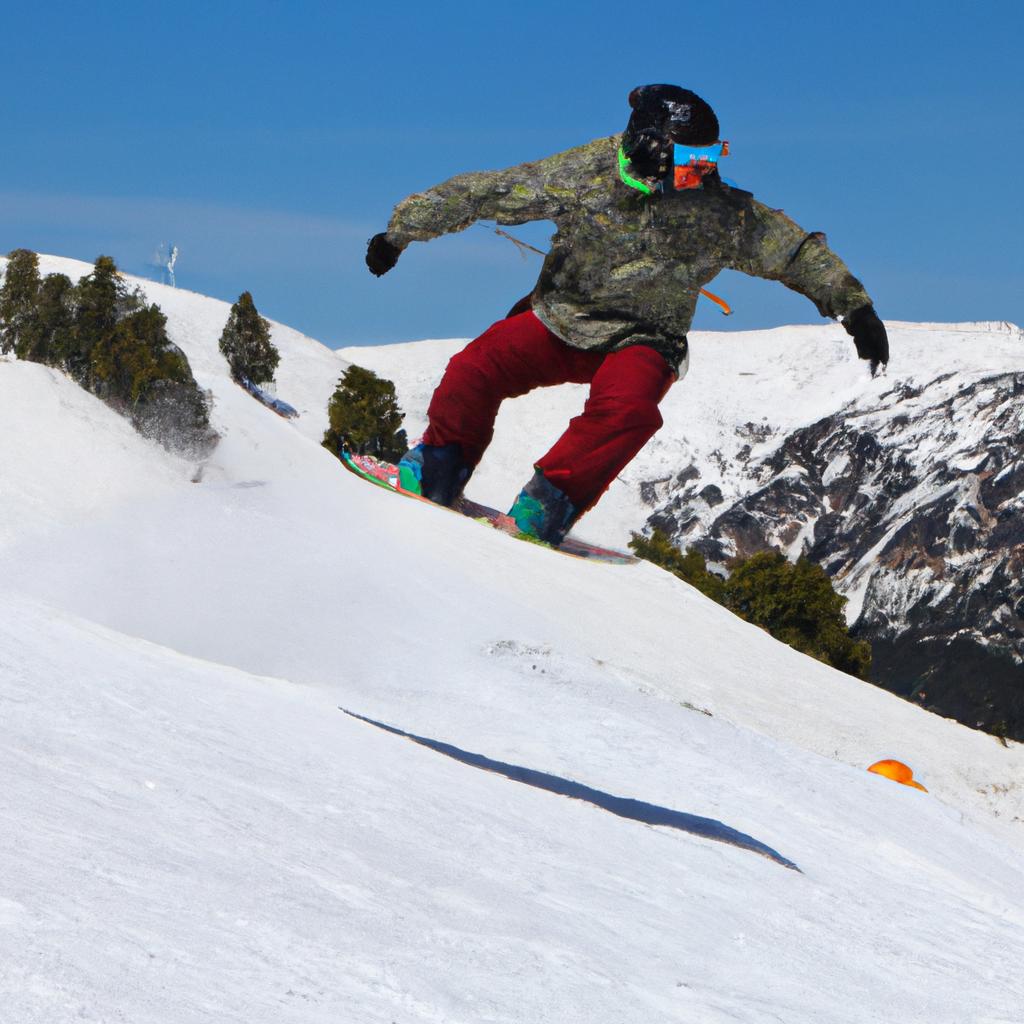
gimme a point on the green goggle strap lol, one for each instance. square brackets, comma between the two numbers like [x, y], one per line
[628, 178]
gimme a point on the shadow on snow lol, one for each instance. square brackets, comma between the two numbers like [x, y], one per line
[624, 807]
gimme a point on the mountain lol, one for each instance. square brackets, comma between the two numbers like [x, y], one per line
[194, 831]
[906, 489]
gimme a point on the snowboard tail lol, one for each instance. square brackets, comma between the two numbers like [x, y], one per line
[386, 475]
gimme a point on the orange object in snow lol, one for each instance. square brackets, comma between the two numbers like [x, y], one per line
[898, 772]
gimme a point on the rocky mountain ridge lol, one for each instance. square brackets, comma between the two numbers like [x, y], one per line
[911, 500]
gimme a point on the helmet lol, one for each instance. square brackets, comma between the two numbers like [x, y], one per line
[663, 115]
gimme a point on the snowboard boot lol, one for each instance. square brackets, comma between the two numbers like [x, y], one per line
[437, 472]
[543, 511]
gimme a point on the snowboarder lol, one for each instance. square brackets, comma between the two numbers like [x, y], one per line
[644, 221]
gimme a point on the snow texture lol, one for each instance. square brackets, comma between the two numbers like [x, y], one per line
[194, 832]
[907, 488]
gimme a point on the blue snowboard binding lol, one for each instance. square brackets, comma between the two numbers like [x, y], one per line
[436, 472]
[543, 511]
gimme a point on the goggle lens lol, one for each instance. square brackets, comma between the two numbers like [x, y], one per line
[683, 155]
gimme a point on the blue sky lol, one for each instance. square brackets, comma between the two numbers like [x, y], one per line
[270, 140]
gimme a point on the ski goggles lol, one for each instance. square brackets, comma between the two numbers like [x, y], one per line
[682, 154]
[691, 163]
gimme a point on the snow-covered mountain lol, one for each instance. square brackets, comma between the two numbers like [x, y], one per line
[912, 501]
[908, 489]
[194, 832]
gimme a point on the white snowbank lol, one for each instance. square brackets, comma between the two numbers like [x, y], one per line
[195, 832]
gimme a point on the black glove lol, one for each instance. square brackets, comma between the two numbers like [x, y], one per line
[381, 255]
[868, 333]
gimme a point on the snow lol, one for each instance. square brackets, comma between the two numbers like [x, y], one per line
[195, 832]
[835, 469]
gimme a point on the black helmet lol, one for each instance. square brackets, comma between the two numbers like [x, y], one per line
[662, 115]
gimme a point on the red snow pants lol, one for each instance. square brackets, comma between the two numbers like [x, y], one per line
[515, 356]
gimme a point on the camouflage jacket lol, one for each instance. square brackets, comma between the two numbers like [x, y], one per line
[625, 268]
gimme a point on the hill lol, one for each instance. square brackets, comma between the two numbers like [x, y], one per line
[196, 832]
[906, 489]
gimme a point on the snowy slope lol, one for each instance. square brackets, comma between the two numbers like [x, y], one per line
[194, 832]
[907, 489]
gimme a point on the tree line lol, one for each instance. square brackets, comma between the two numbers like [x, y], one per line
[111, 341]
[793, 601]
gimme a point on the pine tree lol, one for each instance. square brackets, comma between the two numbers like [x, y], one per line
[18, 298]
[798, 605]
[55, 320]
[245, 343]
[137, 368]
[364, 417]
[690, 567]
[112, 342]
[101, 300]
[128, 360]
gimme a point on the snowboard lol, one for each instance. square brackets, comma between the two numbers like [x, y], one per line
[385, 474]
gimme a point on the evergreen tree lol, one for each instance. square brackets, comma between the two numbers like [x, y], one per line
[364, 417]
[18, 297]
[245, 343]
[138, 368]
[126, 361]
[112, 342]
[55, 320]
[690, 567]
[798, 605]
[101, 300]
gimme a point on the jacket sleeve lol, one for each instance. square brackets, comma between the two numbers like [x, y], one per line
[774, 247]
[531, 191]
